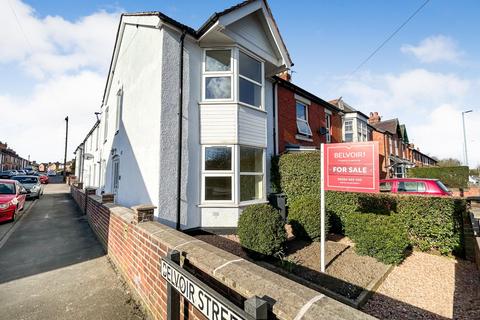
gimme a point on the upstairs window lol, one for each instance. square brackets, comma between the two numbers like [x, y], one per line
[302, 119]
[348, 130]
[250, 80]
[118, 118]
[218, 75]
[105, 126]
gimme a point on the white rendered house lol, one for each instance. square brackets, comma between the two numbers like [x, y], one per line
[192, 136]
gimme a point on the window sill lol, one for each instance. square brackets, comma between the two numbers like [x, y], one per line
[251, 107]
[303, 138]
[231, 205]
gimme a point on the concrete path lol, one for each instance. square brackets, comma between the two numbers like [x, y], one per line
[53, 267]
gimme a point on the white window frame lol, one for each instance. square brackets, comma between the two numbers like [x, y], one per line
[210, 74]
[105, 125]
[97, 137]
[303, 120]
[119, 111]
[219, 173]
[262, 84]
[345, 131]
[328, 126]
[239, 173]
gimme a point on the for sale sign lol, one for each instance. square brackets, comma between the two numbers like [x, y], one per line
[352, 167]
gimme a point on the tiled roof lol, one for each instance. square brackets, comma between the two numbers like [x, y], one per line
[390, 125]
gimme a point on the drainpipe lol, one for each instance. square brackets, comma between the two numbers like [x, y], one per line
[180, 131]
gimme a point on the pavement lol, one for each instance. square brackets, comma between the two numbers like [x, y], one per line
[53, 267]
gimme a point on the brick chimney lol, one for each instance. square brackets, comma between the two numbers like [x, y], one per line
[374, 118]
[285, 75]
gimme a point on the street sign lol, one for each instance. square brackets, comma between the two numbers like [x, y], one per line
[206, 300]
[352, 167]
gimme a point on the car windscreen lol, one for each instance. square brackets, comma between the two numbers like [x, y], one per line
[7, 188]
[26, 179]
[442, 186]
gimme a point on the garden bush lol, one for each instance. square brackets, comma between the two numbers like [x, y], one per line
[383, 237]
[304, 217]
[452, 177]
[261, 229]
[299, 174]
[433, 223]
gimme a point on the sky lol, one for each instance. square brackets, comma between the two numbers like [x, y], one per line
[54, 58]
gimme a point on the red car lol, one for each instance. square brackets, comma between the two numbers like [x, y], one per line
[43, 178]
[419, 186]
[12, 199]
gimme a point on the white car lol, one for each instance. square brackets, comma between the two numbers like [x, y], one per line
[51, 173]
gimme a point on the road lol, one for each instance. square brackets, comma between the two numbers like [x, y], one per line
[53, 267]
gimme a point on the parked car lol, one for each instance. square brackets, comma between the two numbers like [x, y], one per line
[31, 184]
[51, 173]
[6, 174]
[43, 178]
[12, 199]
[21, 171]
[419, 186]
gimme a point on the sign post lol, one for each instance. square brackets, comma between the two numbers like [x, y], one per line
[351, 167]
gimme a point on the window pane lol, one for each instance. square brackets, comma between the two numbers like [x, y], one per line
[301, 111]
[348, 137]
[217, 60]
[303, 128]
[348, 125]
[251, 187]
[218, 88]
[251, 159]
[218, 158]
[250, 93]
[250, 68]
[218, 188]
[385, 187]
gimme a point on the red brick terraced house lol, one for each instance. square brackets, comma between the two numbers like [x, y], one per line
[303, 120]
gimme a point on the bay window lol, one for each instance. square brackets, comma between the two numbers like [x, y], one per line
[218, 75]
[328, 126]
[348, 131]
[218, 173]
[302, 119]
[251, 173]
[250, 80]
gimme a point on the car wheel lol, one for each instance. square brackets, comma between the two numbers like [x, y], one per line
[14, 215]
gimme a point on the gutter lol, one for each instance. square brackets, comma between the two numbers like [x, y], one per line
[180, 130]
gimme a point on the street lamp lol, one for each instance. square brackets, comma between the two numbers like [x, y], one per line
[465, 136]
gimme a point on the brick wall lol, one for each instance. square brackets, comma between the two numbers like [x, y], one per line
[136, 249]
[383, 152]
[287, 122]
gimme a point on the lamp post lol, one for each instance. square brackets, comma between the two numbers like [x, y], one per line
[65, 157]
[465, 136]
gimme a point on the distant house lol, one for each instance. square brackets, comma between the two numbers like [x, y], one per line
[10, 160]
[303, 120]
[187, 116]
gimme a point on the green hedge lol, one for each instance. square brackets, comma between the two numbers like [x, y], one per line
[383, 237]
[299, 174]
[452, 177]
[304, 217]
[432, 223]
[261, 229]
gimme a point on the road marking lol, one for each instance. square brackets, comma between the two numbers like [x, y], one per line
[307, 306]
[7, 235]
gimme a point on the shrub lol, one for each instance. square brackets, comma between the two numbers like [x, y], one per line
[299, 174]
[261, 229]
[304, 217]
[453, 177]
[380, 236]
[433, 223]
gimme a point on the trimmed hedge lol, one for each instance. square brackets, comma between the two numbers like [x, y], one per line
[299, 174]
[434, 223]
[380, 236]
[261, 229]
[304, 217]
[452, 177]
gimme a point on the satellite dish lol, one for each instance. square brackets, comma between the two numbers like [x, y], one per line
[88, 156]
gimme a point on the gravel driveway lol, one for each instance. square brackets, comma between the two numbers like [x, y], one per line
[427, 286]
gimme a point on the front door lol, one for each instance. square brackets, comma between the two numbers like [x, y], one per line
[115, 175]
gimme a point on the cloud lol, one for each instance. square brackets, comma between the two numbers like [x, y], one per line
[437, 48]
[53, 45]
[68, 61]
[429, 103]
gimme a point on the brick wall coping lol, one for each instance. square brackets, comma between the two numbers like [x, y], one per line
[292, 300]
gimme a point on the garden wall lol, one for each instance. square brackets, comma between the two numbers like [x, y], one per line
[136, 246]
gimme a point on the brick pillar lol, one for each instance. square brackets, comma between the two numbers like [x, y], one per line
[90, 191]
[80, 185]
[143, 213]
[108, 198]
